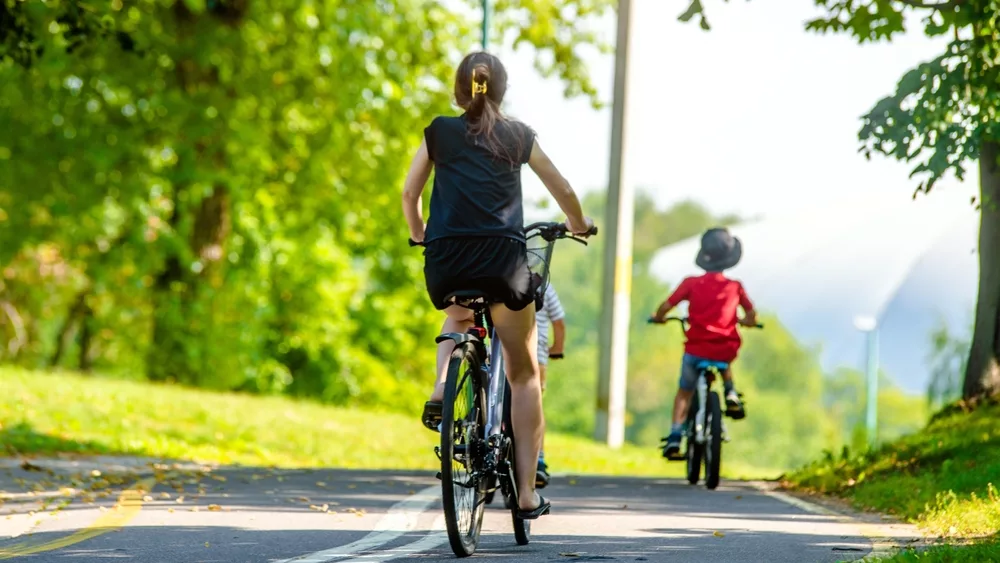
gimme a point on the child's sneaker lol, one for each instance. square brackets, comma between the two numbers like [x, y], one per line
[734, 405]
[541, 475]
[672, 449]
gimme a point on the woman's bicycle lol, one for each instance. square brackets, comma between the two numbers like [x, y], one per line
[477, 437]
[705, 430]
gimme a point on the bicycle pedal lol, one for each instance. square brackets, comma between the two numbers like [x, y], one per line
[438, 476]
[437, 452]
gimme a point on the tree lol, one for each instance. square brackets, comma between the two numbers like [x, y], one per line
[216, 183]
[944, 114]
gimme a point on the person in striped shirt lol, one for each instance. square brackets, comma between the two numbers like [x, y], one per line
[550, 313]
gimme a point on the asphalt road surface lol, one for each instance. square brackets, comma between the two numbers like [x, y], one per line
[60, 512]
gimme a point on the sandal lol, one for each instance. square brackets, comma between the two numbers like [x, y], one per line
[432, 415]
[543, 508]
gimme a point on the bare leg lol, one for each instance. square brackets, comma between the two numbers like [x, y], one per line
[681, 404]
[459, 320]
[728, 375]
[519, 335]
[541, 374]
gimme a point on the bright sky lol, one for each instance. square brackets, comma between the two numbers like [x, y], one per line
[755, 116]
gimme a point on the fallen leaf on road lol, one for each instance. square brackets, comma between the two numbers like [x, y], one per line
[206, 544]
[738, 497]
[95, 473]
[180, 499]
[570, 554]
[214, 507]
[165, 495]
[718, 534]
[320, 484]
[147, 498]
[194, 509]
[28, 466]
[303, 499]
[170, 510]
[352, 486]
[572, 481]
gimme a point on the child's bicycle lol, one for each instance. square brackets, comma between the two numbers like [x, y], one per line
[705, 429]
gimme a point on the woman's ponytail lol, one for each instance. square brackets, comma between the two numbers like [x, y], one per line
[480, 85]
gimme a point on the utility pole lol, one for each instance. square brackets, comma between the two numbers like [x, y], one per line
[486, 23]
[617, 283]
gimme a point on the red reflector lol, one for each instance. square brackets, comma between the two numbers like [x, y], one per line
[479, 331]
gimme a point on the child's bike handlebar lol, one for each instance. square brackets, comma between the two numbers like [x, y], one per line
[684, 321]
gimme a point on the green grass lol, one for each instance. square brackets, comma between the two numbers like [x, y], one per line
[975, 553]
[43, 413]
[944, 479]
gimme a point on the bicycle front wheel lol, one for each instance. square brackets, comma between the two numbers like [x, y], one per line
[463, 422]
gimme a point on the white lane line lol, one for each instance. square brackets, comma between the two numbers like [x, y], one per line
[436, 537]
[400, 519]
[803, 505]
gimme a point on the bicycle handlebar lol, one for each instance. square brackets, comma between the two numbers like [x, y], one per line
[684, 321]
[548, 230]
[551, 231]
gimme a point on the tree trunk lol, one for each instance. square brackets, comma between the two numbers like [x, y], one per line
[982, 375]
[176, 290]
[71, 319]
[86, 336]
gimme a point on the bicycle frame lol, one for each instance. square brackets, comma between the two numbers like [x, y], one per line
[702, 388]
[497, 376]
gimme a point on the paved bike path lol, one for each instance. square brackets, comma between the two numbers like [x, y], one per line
[247, 515]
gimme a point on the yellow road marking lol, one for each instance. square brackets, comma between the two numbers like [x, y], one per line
[128, 506]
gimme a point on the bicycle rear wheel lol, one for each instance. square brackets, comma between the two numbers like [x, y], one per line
[713, 451]
[695, 451]
[463, 417]
[522, 527]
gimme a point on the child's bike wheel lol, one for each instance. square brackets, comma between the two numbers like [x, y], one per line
[713, 451]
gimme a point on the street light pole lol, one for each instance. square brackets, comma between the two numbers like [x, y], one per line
[486, 23]
[617, 282]
[869, 325]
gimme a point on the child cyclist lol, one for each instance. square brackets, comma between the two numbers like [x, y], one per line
[712, 301]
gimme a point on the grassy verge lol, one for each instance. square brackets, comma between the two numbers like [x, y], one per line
[43, 413]
[944, 479]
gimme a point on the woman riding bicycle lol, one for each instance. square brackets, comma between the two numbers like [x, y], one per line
[474, 240]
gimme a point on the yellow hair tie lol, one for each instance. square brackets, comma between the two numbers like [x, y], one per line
[477, 88]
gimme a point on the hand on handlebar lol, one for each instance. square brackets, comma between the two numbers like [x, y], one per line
[654, 320]
[588, 231]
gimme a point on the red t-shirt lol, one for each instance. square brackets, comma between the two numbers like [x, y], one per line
[712, 299]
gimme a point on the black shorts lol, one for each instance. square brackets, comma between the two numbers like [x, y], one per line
[497, 266]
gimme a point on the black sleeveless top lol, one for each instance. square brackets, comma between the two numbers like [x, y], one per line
[476, 194]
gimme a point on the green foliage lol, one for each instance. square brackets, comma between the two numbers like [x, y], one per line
[206, 191]
[943, 478]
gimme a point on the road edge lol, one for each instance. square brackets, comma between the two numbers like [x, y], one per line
[883, 546]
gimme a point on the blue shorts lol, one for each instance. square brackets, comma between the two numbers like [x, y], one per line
[689, 370]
